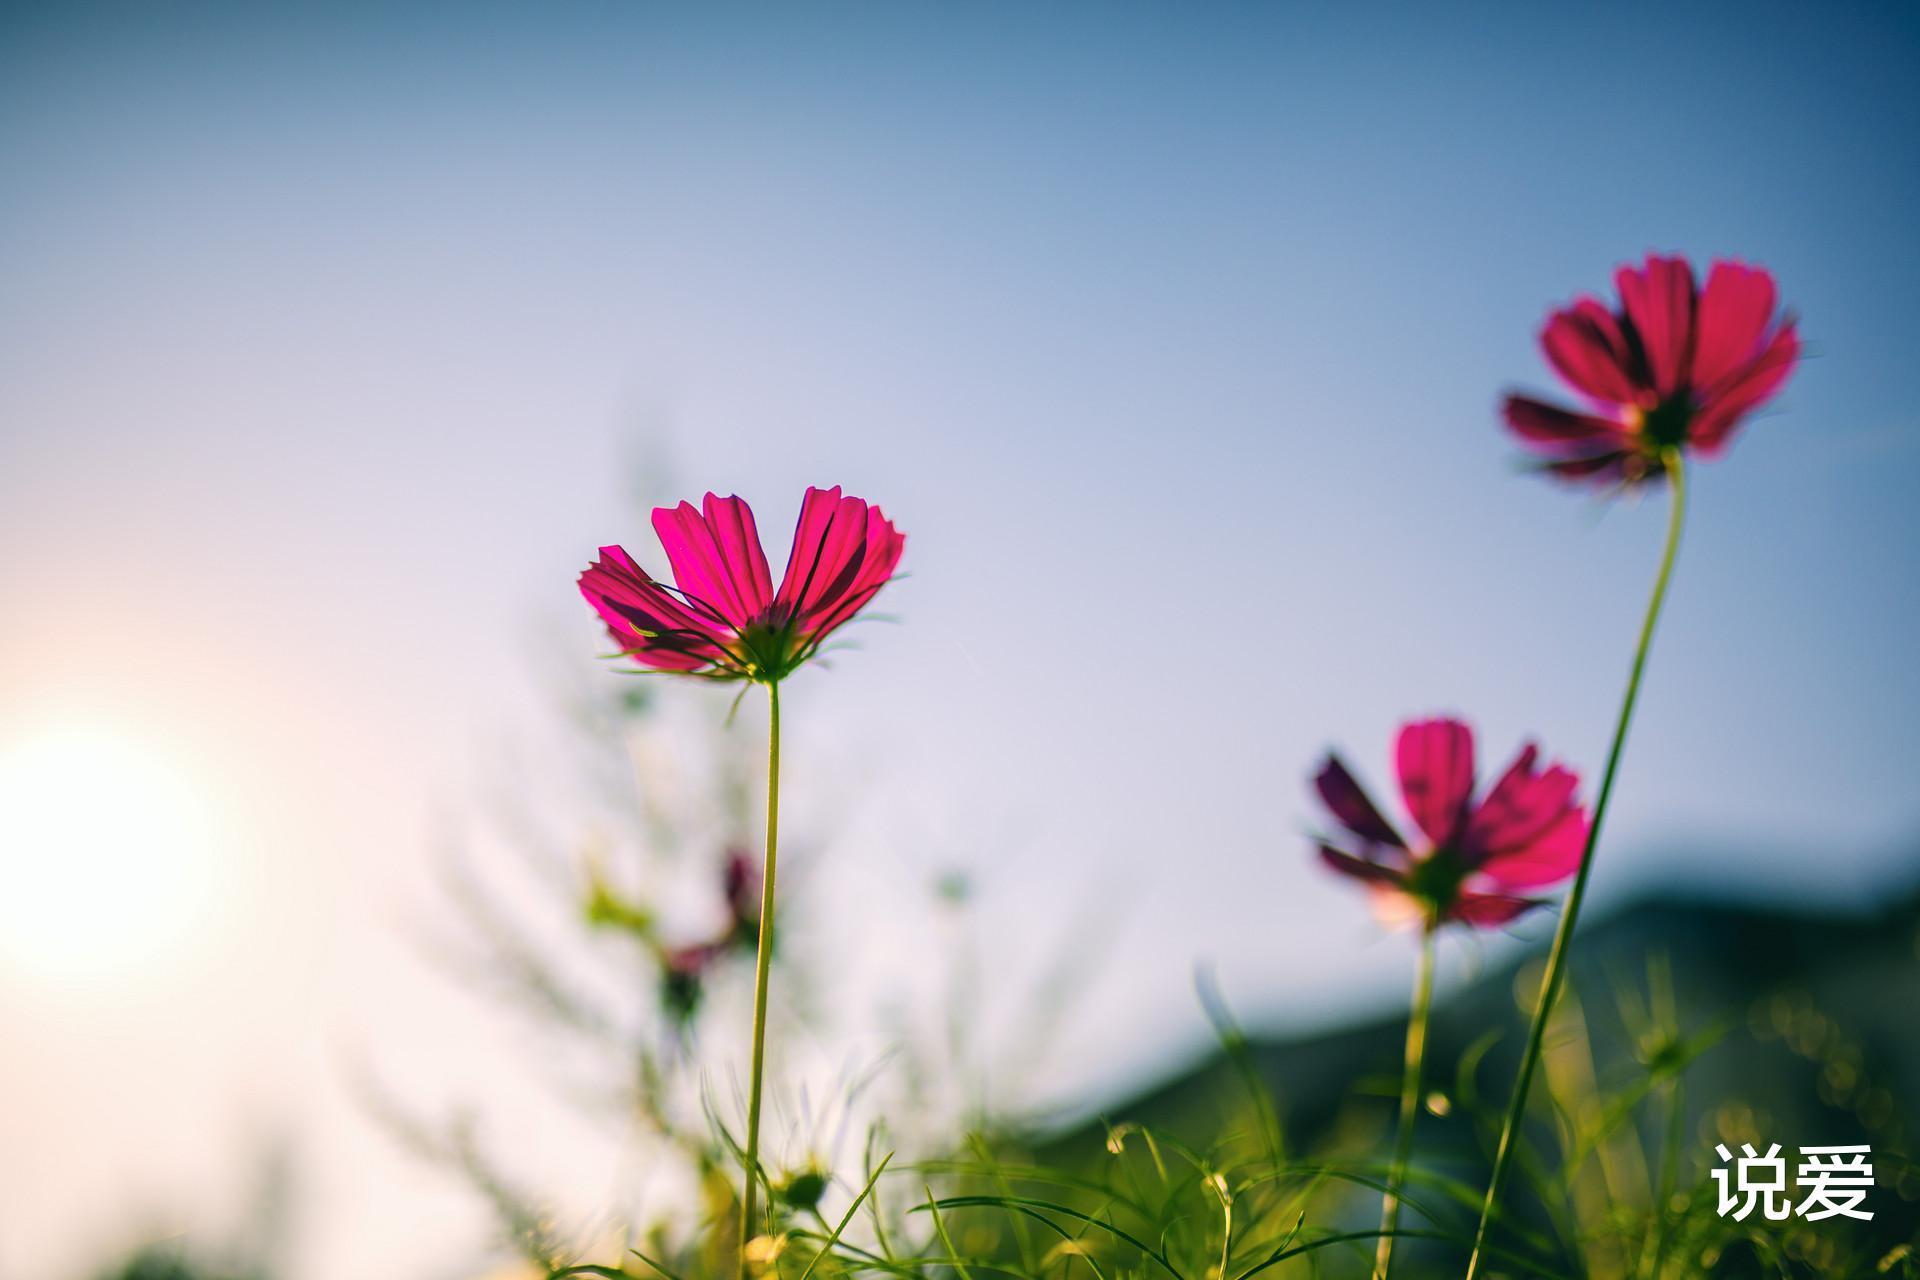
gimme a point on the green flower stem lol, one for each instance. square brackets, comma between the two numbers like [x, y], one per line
[1409, 1105]
[762, 964]
[1562, 937]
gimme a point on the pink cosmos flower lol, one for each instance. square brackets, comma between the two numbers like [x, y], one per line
[722, 619]
[1476, 857]
[1675, 367]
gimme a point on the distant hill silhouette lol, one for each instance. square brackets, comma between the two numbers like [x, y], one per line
[1820, 1018]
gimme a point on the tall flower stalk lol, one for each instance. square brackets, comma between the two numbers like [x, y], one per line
[763, 962]
[1570, 913]
[1409, 1104]
[1675, 369]
[723, 620]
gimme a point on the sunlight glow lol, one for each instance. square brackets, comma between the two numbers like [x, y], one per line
[106, 856]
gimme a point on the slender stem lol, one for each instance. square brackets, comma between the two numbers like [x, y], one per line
[761, 965]
[1669, 1175]
[1409, 1105]
[1570, 912]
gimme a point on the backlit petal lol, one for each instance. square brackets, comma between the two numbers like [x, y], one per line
[1538, 423]
[644, 618]
[1359, 868]
[1736, 308]
[1548, 858]
[1350, 804]
[716, 557]
[1489, 910]
[1435, 763]
[1585, 346]
[1746, 389]
[1519, 807]
[1658, 299]
[843, 553]
[879, 557]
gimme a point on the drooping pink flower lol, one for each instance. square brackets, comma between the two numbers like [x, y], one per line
[1674, 367]
[722, 618]
[1472, 860]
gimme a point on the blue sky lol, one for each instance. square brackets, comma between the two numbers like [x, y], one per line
[330, 340]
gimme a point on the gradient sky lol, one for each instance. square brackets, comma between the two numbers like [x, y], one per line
[329, 342]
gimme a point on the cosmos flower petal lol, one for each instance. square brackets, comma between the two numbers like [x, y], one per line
[879, 557]
[1585, 345]
[1577, 447]
[1538, 423]
[828, 534]
[1349, 803]
[633, 604]
[716, 557]
[1359, 868]
[1601, 469]
[1519, 807]
[1736, 306]
[842, 558]
[1548, 858]
[844, 551]
[1489, 910]
[1435, 763]
[738, 538]
[644, 618]
[1744, 390]
[1658, 298]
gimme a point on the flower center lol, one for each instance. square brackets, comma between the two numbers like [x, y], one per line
[1436, 879]
[1664, 426]
[766, 650]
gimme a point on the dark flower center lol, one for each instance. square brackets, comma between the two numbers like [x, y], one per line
[1664, 426]
[1436, 880]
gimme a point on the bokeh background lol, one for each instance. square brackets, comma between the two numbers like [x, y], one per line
[332, 340]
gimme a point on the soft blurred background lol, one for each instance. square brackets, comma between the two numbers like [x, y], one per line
[332, 341]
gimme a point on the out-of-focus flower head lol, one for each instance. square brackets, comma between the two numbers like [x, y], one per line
[686, 968]
[722, 618]
[740, 881]
[1675, 367]
[802, 1188]
[1474, 858]
[683, 977]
